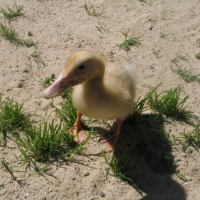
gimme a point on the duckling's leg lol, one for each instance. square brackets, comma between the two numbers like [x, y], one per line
[115, 141]
[77, 129]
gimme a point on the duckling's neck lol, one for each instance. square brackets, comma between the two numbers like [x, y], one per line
[96, 83]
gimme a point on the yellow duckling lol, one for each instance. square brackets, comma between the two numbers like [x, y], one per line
[100, 91]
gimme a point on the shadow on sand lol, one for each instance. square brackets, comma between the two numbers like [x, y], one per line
[150, 155]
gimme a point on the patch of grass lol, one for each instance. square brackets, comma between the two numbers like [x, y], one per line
[100, 28]
[45, 142]
[142, 2]
[132, 41]
[91, 10]
[174, 61]
[10, 35]
[28, 43]
[36, 56]
[169, 103]
[8, 169]
[182, 56]
[68, 112]
[12, 117]
[163, 35]
[186, 74]
[1, 186]
[165, 15]
[139, 106]
[179, 56]
[119, 166]
[197, 56]
[11, 13]
[47, 81]
[192, 138]
[156, 53]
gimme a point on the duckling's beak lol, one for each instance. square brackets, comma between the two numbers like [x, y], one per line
[60, 85]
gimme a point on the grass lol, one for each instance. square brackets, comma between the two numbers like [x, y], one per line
[91, 10]
[8, 169]
[42, 143]
[169, 103]
[132, 41]
[174, 61]
[68, 112]
[11, 35]
[163, 35]
[45, 142]
[165, 15]
[192, 138]
[119, 166]
[100, 28]
[12, 117]
[49, 141]
[11, 13]
[142, 2]
[156, 53]
[36, 56]
[179, 56]
[186, 74]
[182, 56]
[197, 56]
[47, 81]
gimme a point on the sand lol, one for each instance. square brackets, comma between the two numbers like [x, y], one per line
[60, 27]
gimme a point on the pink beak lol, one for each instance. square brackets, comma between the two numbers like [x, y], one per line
[60, 85]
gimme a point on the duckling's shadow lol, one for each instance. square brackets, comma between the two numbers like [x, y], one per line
[149, 154]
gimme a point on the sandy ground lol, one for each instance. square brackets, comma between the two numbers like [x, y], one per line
[60, 27]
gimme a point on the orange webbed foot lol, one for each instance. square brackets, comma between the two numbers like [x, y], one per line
[78, 131]
[115, 142]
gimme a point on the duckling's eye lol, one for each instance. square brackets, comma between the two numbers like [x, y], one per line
[81, 67]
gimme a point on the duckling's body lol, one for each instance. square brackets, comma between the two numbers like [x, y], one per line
[100, 91]
[111, 97]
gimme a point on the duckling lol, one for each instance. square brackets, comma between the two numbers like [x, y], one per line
[100, 91]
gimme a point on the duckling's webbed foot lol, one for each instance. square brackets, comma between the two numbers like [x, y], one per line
[115, 141]
[78, 131]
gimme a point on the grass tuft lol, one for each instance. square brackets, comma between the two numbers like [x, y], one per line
[12, 118]
[8, 169]
[36, 56]
[169, 103]
[91, 10]
[156, 53]
[133, 41]
[192, 138]
[165, 15]
[100, 28]
[118, 165]
[142, 2]
[47, 81]
[11, 13]
[45, 142]
[10, 35]
[68, 112]
[197, 56]
[186, 74]
[182, 56]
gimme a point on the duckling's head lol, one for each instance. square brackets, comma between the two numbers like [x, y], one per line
[80, 67]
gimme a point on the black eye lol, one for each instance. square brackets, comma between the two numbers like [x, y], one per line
[81, 67]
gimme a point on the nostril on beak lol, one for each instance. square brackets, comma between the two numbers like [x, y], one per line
[61, 83]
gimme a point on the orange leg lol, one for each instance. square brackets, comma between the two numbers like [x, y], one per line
[115, 141]
[77, 129]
